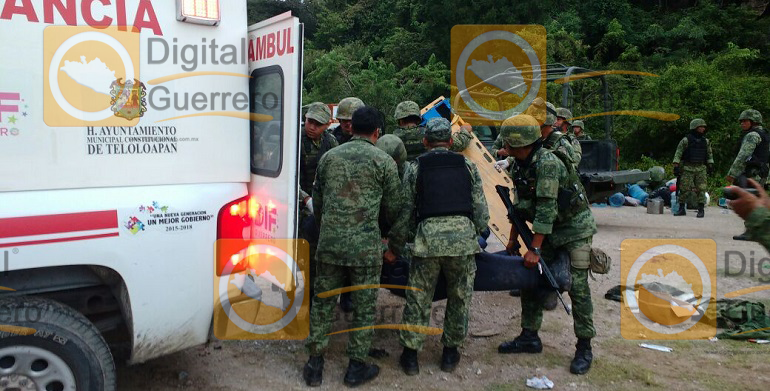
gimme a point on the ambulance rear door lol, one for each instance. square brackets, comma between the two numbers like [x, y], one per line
[275, 67]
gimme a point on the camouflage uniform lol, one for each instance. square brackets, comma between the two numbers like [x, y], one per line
[354, 181]
[758, 226]
[583, 135]
[693, 186]
[345, 110]
[412, 135]
[744, 163]
[394, 147]
[442, 244]
[496, 146]
[577, 150]
[311, 152]
[559, 143]
[539, 181]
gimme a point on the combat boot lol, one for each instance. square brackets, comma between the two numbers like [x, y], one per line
[682, 211]
[527, 342]
[449, 359]
[313, 371]
[408, 362]
[701, 212]
[583, 357]
[360, 372]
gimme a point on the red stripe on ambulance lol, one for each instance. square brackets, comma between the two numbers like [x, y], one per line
[59, 223]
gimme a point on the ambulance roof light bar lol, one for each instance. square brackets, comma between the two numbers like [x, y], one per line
[198, 11]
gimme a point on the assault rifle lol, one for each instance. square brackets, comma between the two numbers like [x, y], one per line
[527, 236]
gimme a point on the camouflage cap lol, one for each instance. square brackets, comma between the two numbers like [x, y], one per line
[579, 123]
[407, 109]
[550, 117]
[564, 113]
[393, 146]
[438, 129]
[697, 122]
[751, 115]
[319, 112]
[347, 106]
[520, 130]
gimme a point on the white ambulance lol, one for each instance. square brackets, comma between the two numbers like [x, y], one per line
[127, 148]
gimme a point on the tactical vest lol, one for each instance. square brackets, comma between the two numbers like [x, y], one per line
[412, 139]
[341, 136]
[571, 197]
[761, 155]
[308, 161]
[697, 149]
[444, 185]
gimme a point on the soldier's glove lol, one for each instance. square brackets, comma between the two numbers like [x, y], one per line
[309, 205]
[710, 168]
[676, 170]
[502, 165]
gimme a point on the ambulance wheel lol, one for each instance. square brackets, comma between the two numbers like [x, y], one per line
[45, 345]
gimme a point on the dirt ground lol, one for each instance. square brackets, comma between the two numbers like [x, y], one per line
[618, 363]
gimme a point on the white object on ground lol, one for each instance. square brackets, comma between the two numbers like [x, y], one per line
[657, 347]
[540, 383]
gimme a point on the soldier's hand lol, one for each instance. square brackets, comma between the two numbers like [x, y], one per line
[309, 205]
[729, 179]
[531, 259]
[746, 202]
[389, 257]
[502, 165]
[502, 152]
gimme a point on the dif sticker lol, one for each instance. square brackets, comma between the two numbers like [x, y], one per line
[498, 71]
[158, 217]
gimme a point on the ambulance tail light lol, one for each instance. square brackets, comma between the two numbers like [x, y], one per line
[204, 12]
[233, 222]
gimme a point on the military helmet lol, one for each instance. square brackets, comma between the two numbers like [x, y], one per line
[580, 124]
[520, 130]
[564, 113]
[550, 116]
[393, 146]
[657, 173]
[407, 109]
[347, 106]
[697, 122]
[438, 129]
[751, 115]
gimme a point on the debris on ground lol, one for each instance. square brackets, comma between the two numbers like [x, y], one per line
[656, 347]
[743, 319]
[540, 383]
[760, 341]
[614, 293]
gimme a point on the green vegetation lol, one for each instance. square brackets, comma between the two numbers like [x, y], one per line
[712, 58]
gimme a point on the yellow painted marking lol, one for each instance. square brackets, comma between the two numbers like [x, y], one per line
[746, 291]
[637, 113]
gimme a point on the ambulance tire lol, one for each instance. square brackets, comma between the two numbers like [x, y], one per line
[52, 344]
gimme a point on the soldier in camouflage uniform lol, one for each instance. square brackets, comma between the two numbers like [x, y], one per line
[579, 130]
[756, 213]
[563, 125]
[345, 110]
[394, 147]
[447, 213]
[754, 154]
[694, 152]
[409, 129]
[354, 181]
[314, 143]
[411, 133]
[547, 196]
